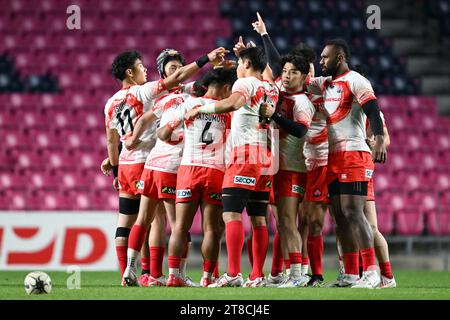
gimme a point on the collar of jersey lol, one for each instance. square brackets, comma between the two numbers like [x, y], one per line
[212, 98]
[345, 73]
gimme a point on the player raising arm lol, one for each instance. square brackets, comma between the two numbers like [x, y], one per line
[244, 184]
[200, 176]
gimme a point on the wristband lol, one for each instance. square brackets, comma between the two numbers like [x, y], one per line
[209, 108]
[202, 61]
[115, 170]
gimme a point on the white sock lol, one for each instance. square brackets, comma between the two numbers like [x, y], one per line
[131, 257]
[305, 269]
[296, 270]
[174, 271]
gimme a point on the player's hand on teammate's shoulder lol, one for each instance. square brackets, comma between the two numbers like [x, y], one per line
[191, 114]
[259, 25]
[379, 153]
[106, 167]
[267, 110]
[131, 143]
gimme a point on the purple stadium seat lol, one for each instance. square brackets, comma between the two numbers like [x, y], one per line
[246, 222]
[327, 225]
[445, 198]
[381, 181]
[409, 221]
[438, 222]
[196, 228]
[385, 219]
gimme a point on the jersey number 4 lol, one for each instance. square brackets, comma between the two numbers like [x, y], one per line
[207, 137]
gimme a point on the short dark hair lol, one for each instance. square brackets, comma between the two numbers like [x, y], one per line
[342, 45]
[218, 76]
[300, 62]
[304, 50]
[256, 56]
[124, 61]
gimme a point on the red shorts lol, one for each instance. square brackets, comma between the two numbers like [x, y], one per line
[350, 166]
[129, 176]
[370, 191]
[245, 167]
[246, 176]
[289, 184]
[316, 185]
[195, 183]
[157, 184]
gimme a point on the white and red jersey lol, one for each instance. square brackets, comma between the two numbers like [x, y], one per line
[180, 89]
[315, 149]
[296, 107]
[343, 98]
[123, 110]
[205, 136]
[166, 155]
[246, 128]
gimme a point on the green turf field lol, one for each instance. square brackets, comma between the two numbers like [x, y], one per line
[104, 285]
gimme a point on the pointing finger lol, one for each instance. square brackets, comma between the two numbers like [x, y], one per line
[259, 17]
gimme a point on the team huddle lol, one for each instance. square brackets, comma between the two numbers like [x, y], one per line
[262, 134]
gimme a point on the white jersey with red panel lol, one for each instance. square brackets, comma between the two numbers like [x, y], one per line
[246, 128]
[123, 110]
[166, 155]
[343, 98]
[296, 107]
[180, 89]
[315, 149]
[205, 136]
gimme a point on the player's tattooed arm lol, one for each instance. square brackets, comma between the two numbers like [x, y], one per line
[273, 56]
[215, 57]
[141, 125]
[230, 104]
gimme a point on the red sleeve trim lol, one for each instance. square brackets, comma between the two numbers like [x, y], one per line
[367, 100]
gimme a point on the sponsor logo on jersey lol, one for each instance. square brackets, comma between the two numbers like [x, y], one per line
[140, 185]
[182, 194]
[168, 190]
[248, 181]
[317, 193]
[369, 173]
[215, 196]
[297, 189]
[343, 176]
